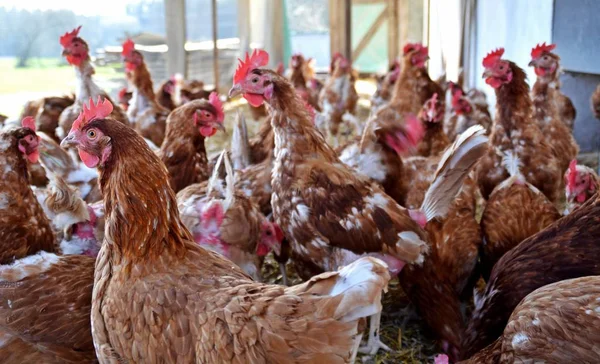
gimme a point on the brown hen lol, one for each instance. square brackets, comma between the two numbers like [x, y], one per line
[557, 323]
[45, 299]
[183, 150]
[566, 249]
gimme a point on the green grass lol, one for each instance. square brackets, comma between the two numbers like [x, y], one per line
[45, 74]
[41, 76]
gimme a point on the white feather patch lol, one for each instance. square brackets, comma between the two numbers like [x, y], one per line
[22, 268]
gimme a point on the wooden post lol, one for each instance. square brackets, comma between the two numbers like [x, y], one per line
[340, 29]
[393, 31]
[348, 30]
[176, 36]
[215, 37]
[274, 37]
[243, 22]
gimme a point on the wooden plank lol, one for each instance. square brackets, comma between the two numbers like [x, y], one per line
[364, 42]
[215, 37]
[369, 2]
[176, 36]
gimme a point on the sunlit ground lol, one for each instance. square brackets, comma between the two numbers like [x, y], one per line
[43, 77]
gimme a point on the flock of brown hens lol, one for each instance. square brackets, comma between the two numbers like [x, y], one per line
[127, 243]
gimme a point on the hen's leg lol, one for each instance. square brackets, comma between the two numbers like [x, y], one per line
[357, 341]
[374, 342]
[283, 272]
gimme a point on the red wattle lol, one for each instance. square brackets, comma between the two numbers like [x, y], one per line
[539, 71]
[91, 161]
[207, 131]
[254, 99]
[34, 156]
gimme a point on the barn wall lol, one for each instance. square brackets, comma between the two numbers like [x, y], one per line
[576, 32]
[571, 24]
[515, 25]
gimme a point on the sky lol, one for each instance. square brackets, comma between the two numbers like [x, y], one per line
[79, 7]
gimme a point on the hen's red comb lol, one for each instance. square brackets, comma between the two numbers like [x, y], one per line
[455, 97]
[28, 122]
[493, 57]
[540, 49]
[67, 38]
[572, 175]
[213, 98]
[412, 46]
[278, 232]
[100, 110]
[259, 58]
[128, 47]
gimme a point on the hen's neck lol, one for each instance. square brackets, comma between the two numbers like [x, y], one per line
[142, 220]
[297, 78]
[513, 106]
[181, 131]
[407, 94]
[143, 96]
[295, 135]
[544, 107]
[86, 87]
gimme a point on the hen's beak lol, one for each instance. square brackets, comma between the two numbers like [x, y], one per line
[65, 52]
[235, 90]
[69, 141]
[487, 73]
[533, 63]
[220, 127]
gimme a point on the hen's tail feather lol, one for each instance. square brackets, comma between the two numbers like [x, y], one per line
[456, 163]
[354, 291]
[215, 182]
[229, 181]
[240, 148]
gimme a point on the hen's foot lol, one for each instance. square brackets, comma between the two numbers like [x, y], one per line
[374, 342]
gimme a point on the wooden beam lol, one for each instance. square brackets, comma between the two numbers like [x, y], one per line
[393, 31]
[364, 42]
[176, 37]
[339, 28]
[426, 12]
[215, 37]
[369, 2]
[348, 31]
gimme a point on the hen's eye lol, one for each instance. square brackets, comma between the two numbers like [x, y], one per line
[206, 114]
[91, 134]
[255, 80]
[269, 232]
